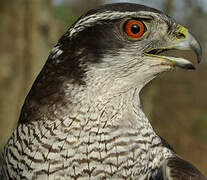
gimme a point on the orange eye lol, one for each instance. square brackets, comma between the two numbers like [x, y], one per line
[134, 28]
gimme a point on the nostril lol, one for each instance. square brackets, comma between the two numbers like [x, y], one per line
[180, 35]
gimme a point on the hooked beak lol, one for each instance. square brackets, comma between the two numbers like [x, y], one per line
[185, 41]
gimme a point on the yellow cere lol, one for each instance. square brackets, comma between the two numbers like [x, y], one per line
[182, 30]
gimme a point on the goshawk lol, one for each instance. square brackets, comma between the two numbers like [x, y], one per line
[82, 118]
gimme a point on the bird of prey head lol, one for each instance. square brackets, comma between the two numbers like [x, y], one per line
[121, 45]
[82, 115]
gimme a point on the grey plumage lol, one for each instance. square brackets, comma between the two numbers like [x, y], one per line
[82, 119]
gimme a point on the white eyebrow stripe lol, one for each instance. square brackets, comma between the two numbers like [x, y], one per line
[90, 20]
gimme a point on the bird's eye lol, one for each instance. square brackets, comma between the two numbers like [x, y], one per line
[134, 28]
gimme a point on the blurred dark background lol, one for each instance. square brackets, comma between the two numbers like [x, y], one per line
[175, 102]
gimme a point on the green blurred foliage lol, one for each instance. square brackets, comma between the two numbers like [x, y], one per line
[65, 14]
[198, 126]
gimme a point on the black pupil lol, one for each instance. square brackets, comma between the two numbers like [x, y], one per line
[135, 28]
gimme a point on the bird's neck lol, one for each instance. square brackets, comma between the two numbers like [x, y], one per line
[122, 109]
[119, 119]
[113, 124]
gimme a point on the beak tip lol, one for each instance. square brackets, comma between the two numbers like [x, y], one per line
[196, 47]
[190, 67]
[198, 52]
[199, 60]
